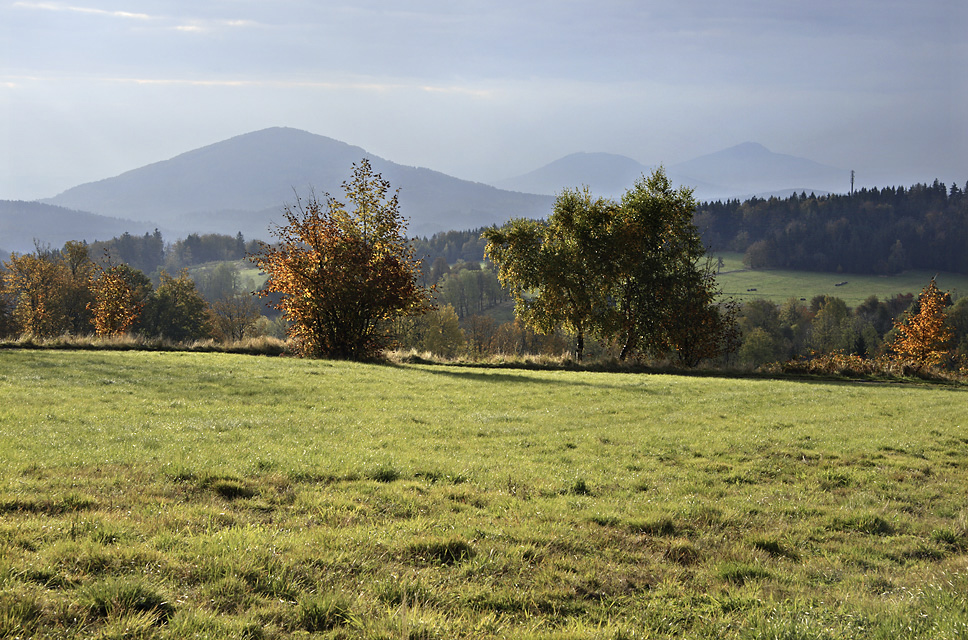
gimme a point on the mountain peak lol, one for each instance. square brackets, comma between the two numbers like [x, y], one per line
[750, 168]
[242, 183]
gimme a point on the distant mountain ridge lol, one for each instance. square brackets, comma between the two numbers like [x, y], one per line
[242, 183]
[751, 169]
[605, 174]
[24, 223]
[739, 172]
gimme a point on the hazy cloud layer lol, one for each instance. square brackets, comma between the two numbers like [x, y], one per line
[484, 90]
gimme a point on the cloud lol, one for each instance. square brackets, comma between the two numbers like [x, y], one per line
[182, 24]
[55, 6]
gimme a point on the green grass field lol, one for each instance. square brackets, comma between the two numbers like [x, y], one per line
[176, 495]
[779, 285]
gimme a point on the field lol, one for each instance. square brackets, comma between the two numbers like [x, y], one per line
[177, 495]
[779, 285]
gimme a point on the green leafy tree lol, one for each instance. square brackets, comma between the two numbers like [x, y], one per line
[666, 289]
[635, 271]
[176, 311]
[559, 271]
[343, 275]
[6, 320]
[77, 291]
[831, 327]
[437, 331]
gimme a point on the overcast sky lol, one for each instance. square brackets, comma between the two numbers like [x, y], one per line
[484, 89]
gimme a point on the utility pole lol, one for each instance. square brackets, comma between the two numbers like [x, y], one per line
[851, 182]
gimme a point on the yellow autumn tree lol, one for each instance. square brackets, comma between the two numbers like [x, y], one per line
[922, 335]
[34, 284]
[118, 300]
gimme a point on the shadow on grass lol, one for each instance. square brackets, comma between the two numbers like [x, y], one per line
[489, 372]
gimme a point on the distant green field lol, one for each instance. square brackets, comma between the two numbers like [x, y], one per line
[779, 286]
[176, 495]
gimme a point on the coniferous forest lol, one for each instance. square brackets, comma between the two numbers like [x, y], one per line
[873, 231]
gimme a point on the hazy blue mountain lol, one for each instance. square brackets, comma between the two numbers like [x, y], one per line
[738, 172]
[241, 184]
[605, 174]
[752, 169]
[23, 223]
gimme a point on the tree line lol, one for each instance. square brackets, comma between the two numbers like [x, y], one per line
[827, 325]
[604, 278]
[49, 293]
[150, 253]
[872, 231]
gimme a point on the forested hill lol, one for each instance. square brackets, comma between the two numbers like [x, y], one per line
[875, 231]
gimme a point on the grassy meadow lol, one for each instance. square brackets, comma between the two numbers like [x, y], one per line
[180, 495]
[779, 285]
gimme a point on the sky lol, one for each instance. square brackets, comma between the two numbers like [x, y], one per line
[484, 89]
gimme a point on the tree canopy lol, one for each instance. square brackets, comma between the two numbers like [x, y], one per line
[630, 272]
[342, 273]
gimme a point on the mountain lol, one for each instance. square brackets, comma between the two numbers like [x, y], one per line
[605, 174]
[241, 184]
[23, 223]
[602, 173]
[752, 169]
[738, 172]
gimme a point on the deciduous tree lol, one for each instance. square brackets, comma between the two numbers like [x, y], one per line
[922, 335]
[176, 310]
[119, 298]
[235, 316]
[631, 272]
[343, 273]
[559, 271]
[35, 283]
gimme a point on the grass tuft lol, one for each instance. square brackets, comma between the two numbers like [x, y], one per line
[119, 597]
[739, 573]
[384, 473]
[656, 527]
[326, 611]
[19, 612]
[445, 551]
[232, 489]
[864, 523]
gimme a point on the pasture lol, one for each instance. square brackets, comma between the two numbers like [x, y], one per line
[778, 285]
[179, 495]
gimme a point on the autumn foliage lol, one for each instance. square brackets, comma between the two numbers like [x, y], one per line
[923, 336]
[117, 301]
[343, 274]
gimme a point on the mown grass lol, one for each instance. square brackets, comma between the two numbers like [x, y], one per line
[780, 285]
[177, 495]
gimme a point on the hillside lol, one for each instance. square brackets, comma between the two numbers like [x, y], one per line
[241, 184]
[21, 223]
